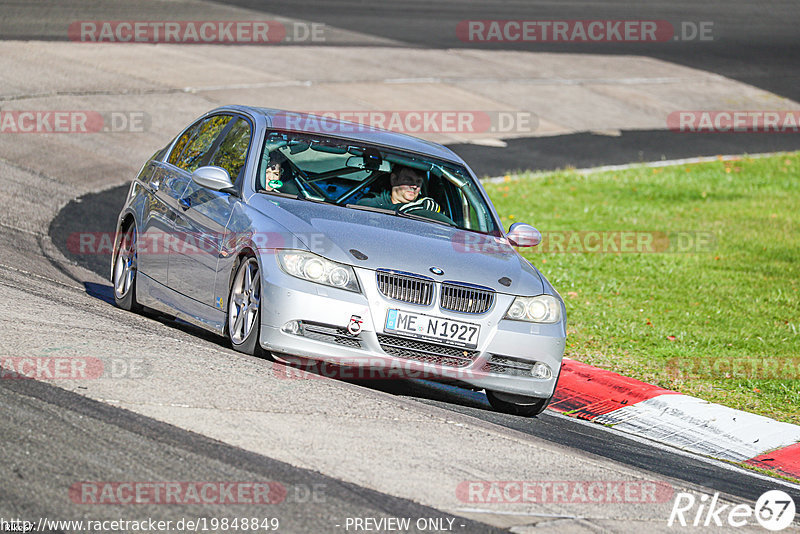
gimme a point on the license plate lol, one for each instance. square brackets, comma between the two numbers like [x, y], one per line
[439, 329]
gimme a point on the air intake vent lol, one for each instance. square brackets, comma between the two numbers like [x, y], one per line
[466, 299]
[506, 365]
[330, 334]
[405, 288]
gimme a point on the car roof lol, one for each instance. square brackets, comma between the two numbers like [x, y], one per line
[351, 131]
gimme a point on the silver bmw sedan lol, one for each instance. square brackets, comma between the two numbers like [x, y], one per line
[318, 240]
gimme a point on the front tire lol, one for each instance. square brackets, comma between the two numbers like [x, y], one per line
[244, 308]
[516, 404]
[125, 270]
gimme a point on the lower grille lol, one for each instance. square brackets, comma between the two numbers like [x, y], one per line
[413, 349]
[330, 334]
[506, 365]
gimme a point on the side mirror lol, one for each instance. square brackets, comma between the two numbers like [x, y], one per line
[214, 178]
[523, 235]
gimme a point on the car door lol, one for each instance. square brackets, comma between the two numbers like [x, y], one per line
[164, 189]
[201, 221]
[166, 185]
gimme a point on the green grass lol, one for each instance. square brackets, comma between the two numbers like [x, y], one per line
[708, 322]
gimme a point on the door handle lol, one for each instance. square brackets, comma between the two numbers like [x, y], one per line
[185, 203]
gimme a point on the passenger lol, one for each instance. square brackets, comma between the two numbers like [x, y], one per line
[273, 173]
[277, 175]
[403, 197]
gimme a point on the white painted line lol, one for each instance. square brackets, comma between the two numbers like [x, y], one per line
[257, 85]
[445, 80]
[525, 514]
[41, 277]
[647, 164]
[23, 230]
[547, 81]
[684, 161]
[703, 427]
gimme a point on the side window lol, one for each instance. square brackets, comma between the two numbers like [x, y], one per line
[232, 152]
[463, 206]
[199, 141]
[180, 145]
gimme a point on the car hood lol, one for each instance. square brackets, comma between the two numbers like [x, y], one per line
[399, 243]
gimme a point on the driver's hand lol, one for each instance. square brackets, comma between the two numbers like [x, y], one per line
[425, 203]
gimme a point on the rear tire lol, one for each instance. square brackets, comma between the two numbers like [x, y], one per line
[529, 407]
[244, 308]
[125, 270]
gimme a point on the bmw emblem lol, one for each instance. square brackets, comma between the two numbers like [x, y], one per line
[436, 270]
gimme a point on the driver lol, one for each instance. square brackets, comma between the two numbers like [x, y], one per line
[404, 195]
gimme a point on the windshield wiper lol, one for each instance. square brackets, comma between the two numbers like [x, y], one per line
[423, 218]
[399, 214]
[279, 194]
[295, 196]
[370, 208]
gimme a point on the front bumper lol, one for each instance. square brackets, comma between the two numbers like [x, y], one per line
[504, 351]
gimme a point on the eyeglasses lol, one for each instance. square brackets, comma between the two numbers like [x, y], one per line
[415, 186]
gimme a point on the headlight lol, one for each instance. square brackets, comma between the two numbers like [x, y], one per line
[539, 309]
[314, 268]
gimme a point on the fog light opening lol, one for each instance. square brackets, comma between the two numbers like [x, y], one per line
[541, 370]
[293, 327]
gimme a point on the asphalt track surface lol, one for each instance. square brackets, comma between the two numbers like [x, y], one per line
[102, 209]
[95, 439]
[754, 44]
[583, 150]
[751, 42]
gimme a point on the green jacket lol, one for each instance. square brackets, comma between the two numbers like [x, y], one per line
[424, 206]
[384, 200]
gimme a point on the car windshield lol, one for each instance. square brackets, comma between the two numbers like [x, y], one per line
[358, 176]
